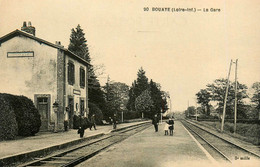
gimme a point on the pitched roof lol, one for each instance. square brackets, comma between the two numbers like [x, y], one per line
[19, 32]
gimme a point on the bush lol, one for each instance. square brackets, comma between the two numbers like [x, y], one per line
[244, 131]
[131, 115]
[76, 122]
[8, 125]
[93, 109]
[27, 116]
[79, 121]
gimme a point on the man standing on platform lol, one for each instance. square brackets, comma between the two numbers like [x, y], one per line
[171, 126]
[93, 122]
[114, 121]
[155, 122]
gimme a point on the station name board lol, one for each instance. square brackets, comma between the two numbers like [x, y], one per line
[20, 54]
[76, 92]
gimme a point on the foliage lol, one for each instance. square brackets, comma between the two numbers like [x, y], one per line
[190, 111]
[252, 112]
[256, 95]
[93, 109]
[131, 101]
[203, 98]
[149, 92]
[158, 98]
[27, 116]
[131, 115]
[247, 132]
[141, 82]
[116, 97]
[144, 103]
[76, 122]
[96, 96]
[217, 92]
[8, 124]
[78, 43]
[138, 86]
[79, 121]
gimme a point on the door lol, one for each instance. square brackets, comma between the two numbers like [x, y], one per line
[71, 112]
[82, 107]
[43, 110]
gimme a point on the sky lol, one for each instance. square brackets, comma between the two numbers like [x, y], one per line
[183, 51]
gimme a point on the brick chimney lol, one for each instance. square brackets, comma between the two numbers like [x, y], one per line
[59, 44]
[29, 29]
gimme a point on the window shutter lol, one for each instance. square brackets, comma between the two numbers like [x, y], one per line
[73, 74]
[69, 73]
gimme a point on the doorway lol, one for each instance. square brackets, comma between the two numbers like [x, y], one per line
[71, 112]
[82, 107]
[42, 106]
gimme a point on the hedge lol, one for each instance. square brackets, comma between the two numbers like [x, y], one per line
[245, 121]
[8, 124]
[131, 115]
[27, 116]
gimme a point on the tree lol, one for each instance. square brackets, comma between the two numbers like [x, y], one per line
[190, 111]
[141, 82]
[138, 86]
[144, 104]
[203, 98]
[217, 90]
[131, 101]
[121, 91]
[165, 96]
[96, 95]
[158, 97]
[78, 43]
[116, 97]
[159, 103]
[256, 97]
[94, 109]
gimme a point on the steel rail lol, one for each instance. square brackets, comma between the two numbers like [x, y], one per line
[216, 149]
[82, 158]
[240, 147]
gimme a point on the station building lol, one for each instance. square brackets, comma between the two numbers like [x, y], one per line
[49, 74]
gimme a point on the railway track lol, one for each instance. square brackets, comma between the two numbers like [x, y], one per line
[84, 151]
[219, 148]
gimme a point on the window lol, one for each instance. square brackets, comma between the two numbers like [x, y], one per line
[82, 77]
[71, 73]
[82, 107]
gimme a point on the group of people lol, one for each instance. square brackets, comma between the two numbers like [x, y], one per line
[81, 129]
[92, 123]
[169, 126]
[113, 121]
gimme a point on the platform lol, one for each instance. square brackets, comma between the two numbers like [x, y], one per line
[152, 149]
[46, 142]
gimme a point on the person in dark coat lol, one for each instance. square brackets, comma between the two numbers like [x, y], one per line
[81, 131]
[114, 121]
[155, 122]
[171, 126]
[93, 122]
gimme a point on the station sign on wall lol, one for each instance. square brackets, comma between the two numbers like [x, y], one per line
[76, 92]
[20, 54]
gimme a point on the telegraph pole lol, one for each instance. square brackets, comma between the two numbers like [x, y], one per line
[196, 112]
[225, 100]
[235, 108]
[188, 109]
